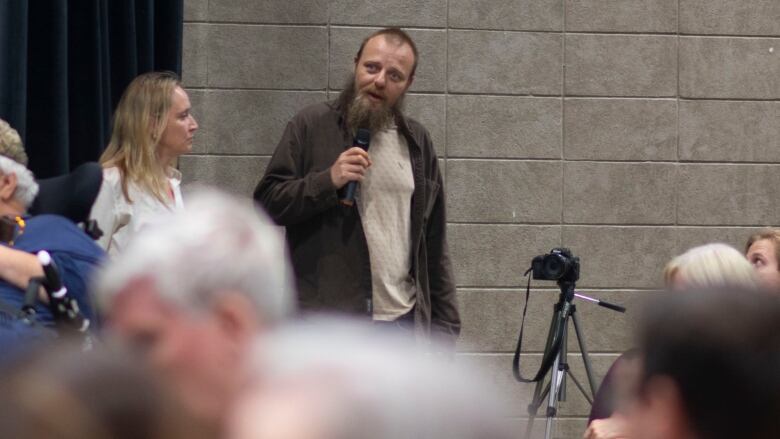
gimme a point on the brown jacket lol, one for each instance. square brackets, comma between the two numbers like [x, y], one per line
[327, 245]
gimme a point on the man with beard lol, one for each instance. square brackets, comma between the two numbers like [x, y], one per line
[386, 256]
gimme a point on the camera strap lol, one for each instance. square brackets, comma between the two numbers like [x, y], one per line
[547, 360]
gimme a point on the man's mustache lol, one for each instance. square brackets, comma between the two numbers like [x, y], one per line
[372, 91]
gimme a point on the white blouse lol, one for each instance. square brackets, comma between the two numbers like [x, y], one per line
[119, 219]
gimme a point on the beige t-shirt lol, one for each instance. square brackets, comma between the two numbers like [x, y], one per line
[384, 202]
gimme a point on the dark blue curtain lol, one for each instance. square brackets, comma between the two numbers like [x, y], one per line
[65, 63]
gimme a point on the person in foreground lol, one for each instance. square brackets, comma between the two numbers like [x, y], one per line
[75, 254]
[153, 126]
[59, 391]
[386, 255]
[193, 291]
[337, 379]
[713, 265]
[709, 367]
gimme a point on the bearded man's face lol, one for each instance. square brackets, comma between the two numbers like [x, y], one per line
[383, 74]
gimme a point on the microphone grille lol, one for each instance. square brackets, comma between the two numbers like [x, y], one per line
[363, 136]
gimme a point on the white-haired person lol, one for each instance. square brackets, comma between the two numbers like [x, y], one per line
[763, 251]
[331, 379]
[153, 126]
[192, 292]
[75, 254]
[708, 266]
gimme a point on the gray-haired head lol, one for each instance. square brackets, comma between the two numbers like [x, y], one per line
[218, 244]
[11, 144]
[13, 160]
[353, 381]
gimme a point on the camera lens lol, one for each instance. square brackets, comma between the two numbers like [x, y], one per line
[554, 266]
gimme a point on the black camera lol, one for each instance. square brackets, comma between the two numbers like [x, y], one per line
[559, 265]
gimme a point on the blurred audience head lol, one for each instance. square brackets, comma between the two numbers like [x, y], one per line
[337, 380]
[152, 125]
[17, 184]
[710, 367]
[192, 292]
[763, 251]
[11, 144]
[60, 392]
[710, 265]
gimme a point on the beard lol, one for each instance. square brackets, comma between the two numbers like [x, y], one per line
[359, 112]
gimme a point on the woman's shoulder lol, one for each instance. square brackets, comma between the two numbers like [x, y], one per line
[112, 175]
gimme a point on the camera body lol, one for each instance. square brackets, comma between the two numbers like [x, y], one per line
[558, 265]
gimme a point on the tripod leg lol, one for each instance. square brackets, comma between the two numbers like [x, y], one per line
[584, 350]
[558, 379]
[541, 391]
[579, 386]
[552, 397]
[563, 364]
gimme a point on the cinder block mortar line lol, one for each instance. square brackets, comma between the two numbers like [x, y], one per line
[732, 37]
[208, 16]
[374, 26]
[446, 90]
[563, 117]
[240, 89]
[327, 74]
[257, 24]
[677, 124]
[475, 29]
[549, 224]
[602, 225]
[678, 34]
[627, 162]
[694, 99]
[619, 33]
[527, 31]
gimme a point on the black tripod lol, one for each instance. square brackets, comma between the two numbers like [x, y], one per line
[555, 357]
[557, 349]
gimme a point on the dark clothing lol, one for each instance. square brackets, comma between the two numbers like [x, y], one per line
[74, 253]
[606, 399]
[327, 244]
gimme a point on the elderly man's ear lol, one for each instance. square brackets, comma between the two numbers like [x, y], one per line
[7, 186]
[237, 318]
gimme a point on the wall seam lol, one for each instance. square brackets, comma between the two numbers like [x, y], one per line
[327, 63]
[677, 129]
[446, 90]
[563, 118]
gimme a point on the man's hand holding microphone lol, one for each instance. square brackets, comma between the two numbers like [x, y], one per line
[350, 167]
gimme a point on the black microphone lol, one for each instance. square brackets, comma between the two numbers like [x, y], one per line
[362, 139]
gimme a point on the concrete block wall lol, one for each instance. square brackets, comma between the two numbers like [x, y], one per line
[626, 130]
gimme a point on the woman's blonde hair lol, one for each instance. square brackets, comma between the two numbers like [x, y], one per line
[711, 265]
[139, 122]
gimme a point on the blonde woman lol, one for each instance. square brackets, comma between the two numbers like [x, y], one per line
[153, 126]
[709, 266]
